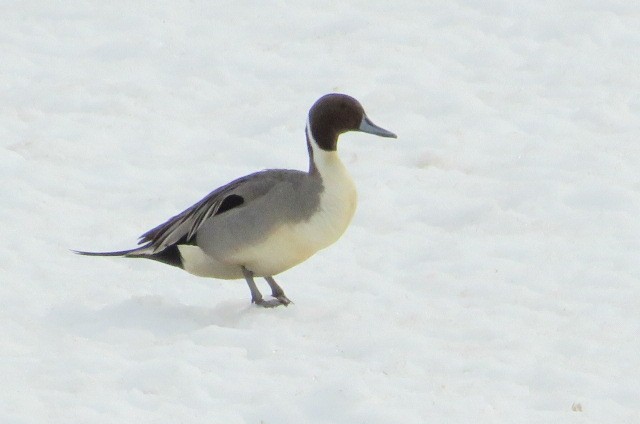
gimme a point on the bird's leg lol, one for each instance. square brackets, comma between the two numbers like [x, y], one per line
[256, 296]
[277, 292]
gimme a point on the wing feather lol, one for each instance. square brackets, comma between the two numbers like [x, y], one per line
[182, 228]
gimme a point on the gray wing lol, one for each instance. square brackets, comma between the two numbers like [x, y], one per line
[182, 228]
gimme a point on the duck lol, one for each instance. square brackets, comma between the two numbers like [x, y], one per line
[267, 222]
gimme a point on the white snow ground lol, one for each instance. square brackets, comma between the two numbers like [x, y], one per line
[491, 274]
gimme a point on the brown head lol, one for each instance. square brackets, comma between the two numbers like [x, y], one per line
[334, 114]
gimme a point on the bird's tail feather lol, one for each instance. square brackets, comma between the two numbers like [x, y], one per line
[170, 255]
[125, 253]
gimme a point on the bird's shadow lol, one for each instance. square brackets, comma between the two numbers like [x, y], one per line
[151, 314]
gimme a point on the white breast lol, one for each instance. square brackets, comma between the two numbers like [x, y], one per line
[337, 201]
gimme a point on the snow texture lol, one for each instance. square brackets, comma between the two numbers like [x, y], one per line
[491, 273]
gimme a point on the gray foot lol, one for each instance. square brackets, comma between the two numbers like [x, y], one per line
[272, 303]
[256, 296]
[277, 292]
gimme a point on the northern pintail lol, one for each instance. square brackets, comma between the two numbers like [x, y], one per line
[267, 222]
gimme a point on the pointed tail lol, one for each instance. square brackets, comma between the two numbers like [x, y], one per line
[125, 253]
[170, 255]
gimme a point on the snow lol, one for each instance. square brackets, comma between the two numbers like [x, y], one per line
[490, 274]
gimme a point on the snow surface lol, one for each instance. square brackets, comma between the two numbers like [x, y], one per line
[491, 274]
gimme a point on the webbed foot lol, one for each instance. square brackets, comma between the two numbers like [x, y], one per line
[279, 298]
